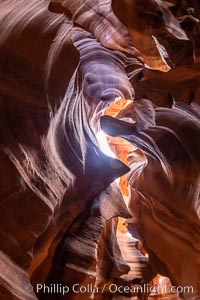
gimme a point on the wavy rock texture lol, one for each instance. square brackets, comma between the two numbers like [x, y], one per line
[164, 196]
[68, 70]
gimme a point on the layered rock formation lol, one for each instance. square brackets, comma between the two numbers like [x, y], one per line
[68, 70]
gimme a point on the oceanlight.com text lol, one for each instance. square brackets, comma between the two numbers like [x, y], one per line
[111, 288]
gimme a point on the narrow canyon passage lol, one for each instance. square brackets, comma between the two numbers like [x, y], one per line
[100, 167]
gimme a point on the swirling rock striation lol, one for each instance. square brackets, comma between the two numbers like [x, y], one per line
[62, 64]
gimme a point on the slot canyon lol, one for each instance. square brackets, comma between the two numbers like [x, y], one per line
[100, 149]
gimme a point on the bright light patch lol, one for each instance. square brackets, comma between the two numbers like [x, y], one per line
[128, 234]
[103, 144]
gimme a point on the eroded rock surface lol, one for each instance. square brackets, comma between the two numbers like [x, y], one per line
[68, 70]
